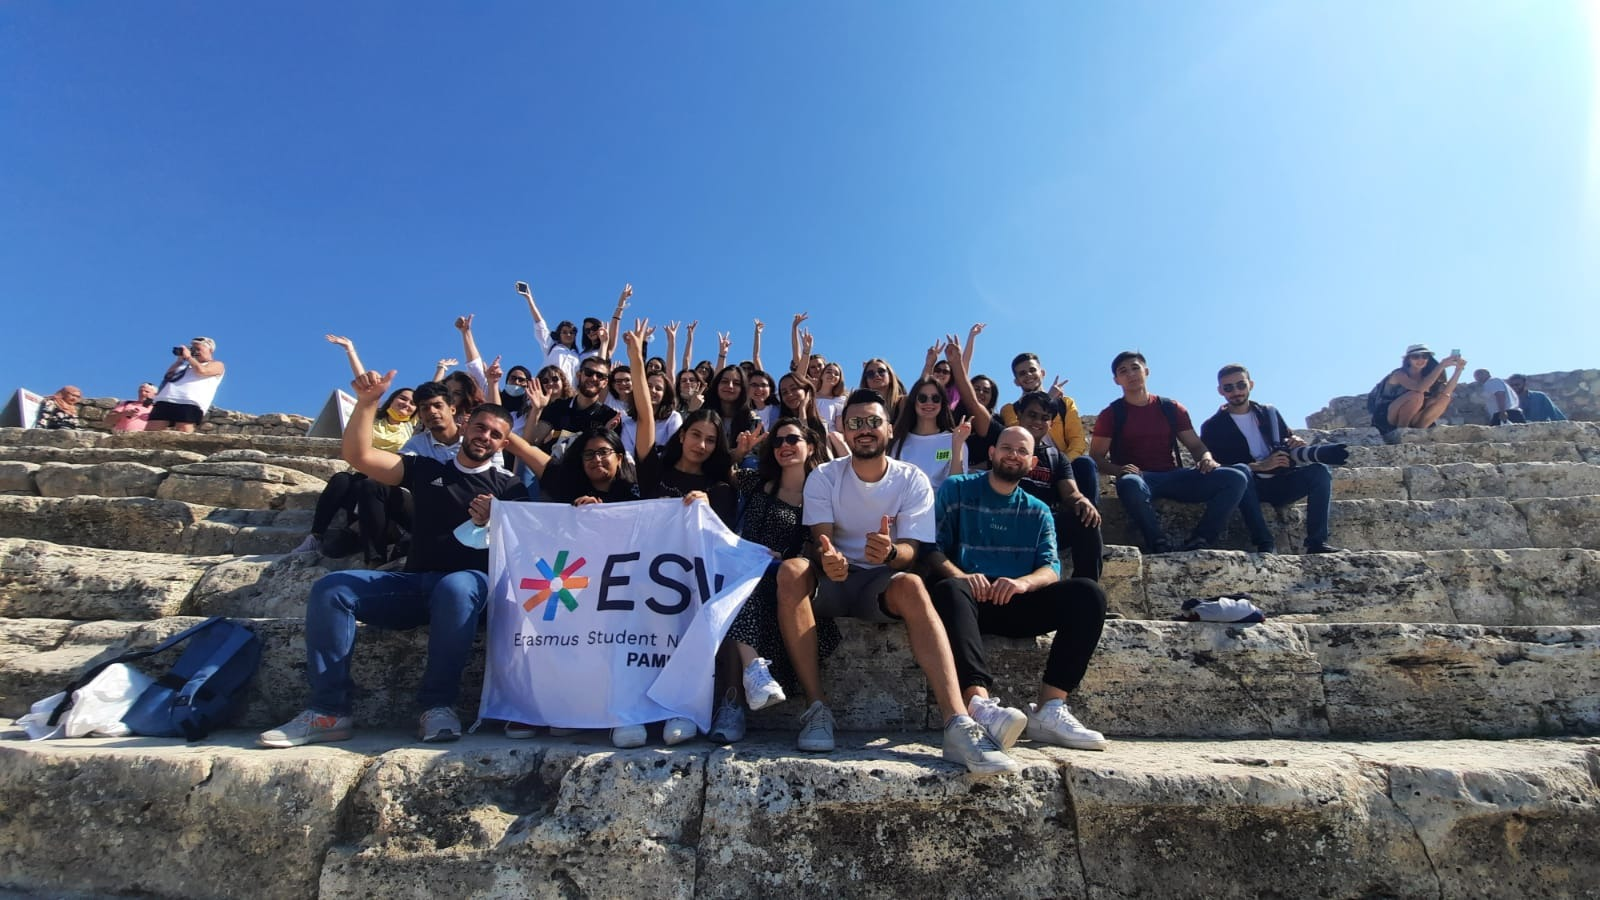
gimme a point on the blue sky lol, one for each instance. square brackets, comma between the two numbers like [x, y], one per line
[1302, 187]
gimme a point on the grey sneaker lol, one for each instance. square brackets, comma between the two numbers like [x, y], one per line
[1055, 724]
[438, 725]
[309, 727]
[521, 731]
[761, 690]
[728, 724]
[312, 544]
[1004, 724]
[677, 730]
[967, 743]
[626, 737]
[816, 729]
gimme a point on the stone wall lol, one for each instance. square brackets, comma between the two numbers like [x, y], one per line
[92, 412]
[1573, 391]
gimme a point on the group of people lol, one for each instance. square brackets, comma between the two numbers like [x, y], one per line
[181, 402]
[1417, 393]
[932, 506]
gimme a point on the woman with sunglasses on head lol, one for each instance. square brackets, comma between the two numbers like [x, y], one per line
[878, 375]
[772, 495]
[797, 400]
[1415, 394]
[987, 393]
[939, 369]
[926, 435]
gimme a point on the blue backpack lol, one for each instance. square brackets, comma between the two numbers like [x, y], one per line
[200, 691]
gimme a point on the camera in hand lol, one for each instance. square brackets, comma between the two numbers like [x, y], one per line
[1327, 454]
[177, 351]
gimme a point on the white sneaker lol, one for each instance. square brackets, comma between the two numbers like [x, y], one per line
[967, 743]
[521, 731]
[816, 729]
[438, 725]
[1003, 723]
[761, 690]
[626, 737]
[728, 725]
[1055, 724]
[312, 544]
[677, 730]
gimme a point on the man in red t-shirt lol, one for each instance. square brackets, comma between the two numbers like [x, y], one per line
[1142, 454]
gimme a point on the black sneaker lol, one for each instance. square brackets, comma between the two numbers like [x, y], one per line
[340, 542]
[1323, 547]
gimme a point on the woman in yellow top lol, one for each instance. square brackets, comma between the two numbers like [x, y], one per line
[393, 426]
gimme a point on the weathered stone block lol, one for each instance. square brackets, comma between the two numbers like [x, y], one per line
[1369, 483]
[110, 479]
[315, 466]
[84, 456]
[1562, 521]
[1520, 587]
[127, 523]
[1370, 586]
[1510, 480]
[62, 582]
[238, 485]
[17, 477]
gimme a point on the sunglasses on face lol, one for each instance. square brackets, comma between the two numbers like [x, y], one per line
[549, 379]
[929, 398]
[856, 423]
[1235, 387]
[1418, 355]
[788, 440]
[941, 370]
[595, 373]
[603, 453]
[877, 373]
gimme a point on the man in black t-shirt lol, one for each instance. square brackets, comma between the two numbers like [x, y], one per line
[578, 414]
[445, 585]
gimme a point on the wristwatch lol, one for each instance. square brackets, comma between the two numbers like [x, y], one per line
[894, 554]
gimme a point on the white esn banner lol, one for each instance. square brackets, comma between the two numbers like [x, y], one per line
[610, 614]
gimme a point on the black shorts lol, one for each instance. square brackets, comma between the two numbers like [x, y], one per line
[176, 413]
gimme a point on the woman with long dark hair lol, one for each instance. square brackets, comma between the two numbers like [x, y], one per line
[560, 349]
[878, 375]
[663, 406]
[797, 400]
[926, 435]
[830, 394]
[695, 460]
[729, 396]
[1415, 395]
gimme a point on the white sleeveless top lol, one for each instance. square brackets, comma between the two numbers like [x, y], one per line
[191, 388]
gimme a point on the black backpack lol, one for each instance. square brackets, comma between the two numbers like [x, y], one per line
[1375, 396]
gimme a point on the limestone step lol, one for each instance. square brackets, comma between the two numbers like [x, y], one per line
[1485, 587]
[884, 815]
[161, 459]
[1512, 481]
[204, 444]
[44, 580]
[1492, 453]
[1149, 678]
[152, 525]
[1473, 523]
[1587, 433]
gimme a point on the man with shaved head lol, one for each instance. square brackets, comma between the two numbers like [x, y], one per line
[999, 572]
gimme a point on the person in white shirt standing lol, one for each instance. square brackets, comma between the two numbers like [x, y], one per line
[188, 388]
[869, 515]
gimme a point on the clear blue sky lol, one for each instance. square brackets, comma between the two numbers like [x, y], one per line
[1303, 187]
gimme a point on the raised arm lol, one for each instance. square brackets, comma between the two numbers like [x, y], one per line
[356, 446]
[688, 347]
[724, 344]
[443, 367]
[616, 320]
[930, 359]
[981, 417]
[972, 341]
[672, 351]
[468, 345]
[799, 360]
[541, 330]
[491, 381]
[356, 368]
[755, 347]
[644, 439]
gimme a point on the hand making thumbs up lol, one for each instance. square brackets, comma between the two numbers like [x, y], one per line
[834, 565]
[880, 544]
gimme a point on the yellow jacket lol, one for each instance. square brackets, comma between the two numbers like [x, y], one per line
[1066, 429]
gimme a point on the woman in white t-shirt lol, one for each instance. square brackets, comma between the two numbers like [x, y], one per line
[665, 407]
[830, 394]
[560, 349]
[927, 435]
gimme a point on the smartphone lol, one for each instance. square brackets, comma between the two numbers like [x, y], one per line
[1455, 352]
[522, 287]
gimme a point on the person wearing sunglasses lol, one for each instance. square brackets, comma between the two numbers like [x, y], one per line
[869, 516]
[584, 411]
[188, 388]
[554, 383]
[797, 400]
[878, 375]
[1244, 432]
[926, 435]
[1414, 395]
[1136, 441]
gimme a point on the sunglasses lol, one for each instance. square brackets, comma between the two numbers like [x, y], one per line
[1235, 387]
[549, 379]
[595, 373]
[929, 398]
[876, 373]
[788, 440]
[1418, 355]
[604, 453]
[856, 423]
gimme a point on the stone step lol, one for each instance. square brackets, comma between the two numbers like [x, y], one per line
[44, 580]
[1512, 481]
[1587, 433]
[152, 525]
[1474, 523]
[236, 484]
[1494, 454]
[1484, 587]
[161, 459]
[203, 444]
[378, 816]
[1149, 678]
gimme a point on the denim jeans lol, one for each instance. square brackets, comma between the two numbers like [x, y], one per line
[1220, 490]
[1087, 476]
[449, 603]
[1313, 482]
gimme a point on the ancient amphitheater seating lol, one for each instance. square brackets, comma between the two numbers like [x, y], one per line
[1415, 718]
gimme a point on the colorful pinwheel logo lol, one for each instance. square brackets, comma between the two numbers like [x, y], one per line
[556, 586]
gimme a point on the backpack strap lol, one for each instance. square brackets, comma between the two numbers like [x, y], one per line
[1119, 417]
[132, 656]
[1169, 409]
[196, 687]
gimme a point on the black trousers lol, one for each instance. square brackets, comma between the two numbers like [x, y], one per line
[382, 512]
[1079, 543]
[340, 494]
[1074, 608]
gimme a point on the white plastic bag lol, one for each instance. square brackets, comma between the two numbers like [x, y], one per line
[97, 707]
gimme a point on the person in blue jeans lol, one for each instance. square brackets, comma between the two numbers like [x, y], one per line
[1246, 433]
[445, 585]
[1135, 440]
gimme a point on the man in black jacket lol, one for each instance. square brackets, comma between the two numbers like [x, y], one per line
[1246, 432]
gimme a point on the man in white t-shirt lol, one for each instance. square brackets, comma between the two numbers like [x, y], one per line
[1500, 402]
[869, 516]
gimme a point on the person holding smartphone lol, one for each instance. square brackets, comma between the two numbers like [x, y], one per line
[188, 388]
